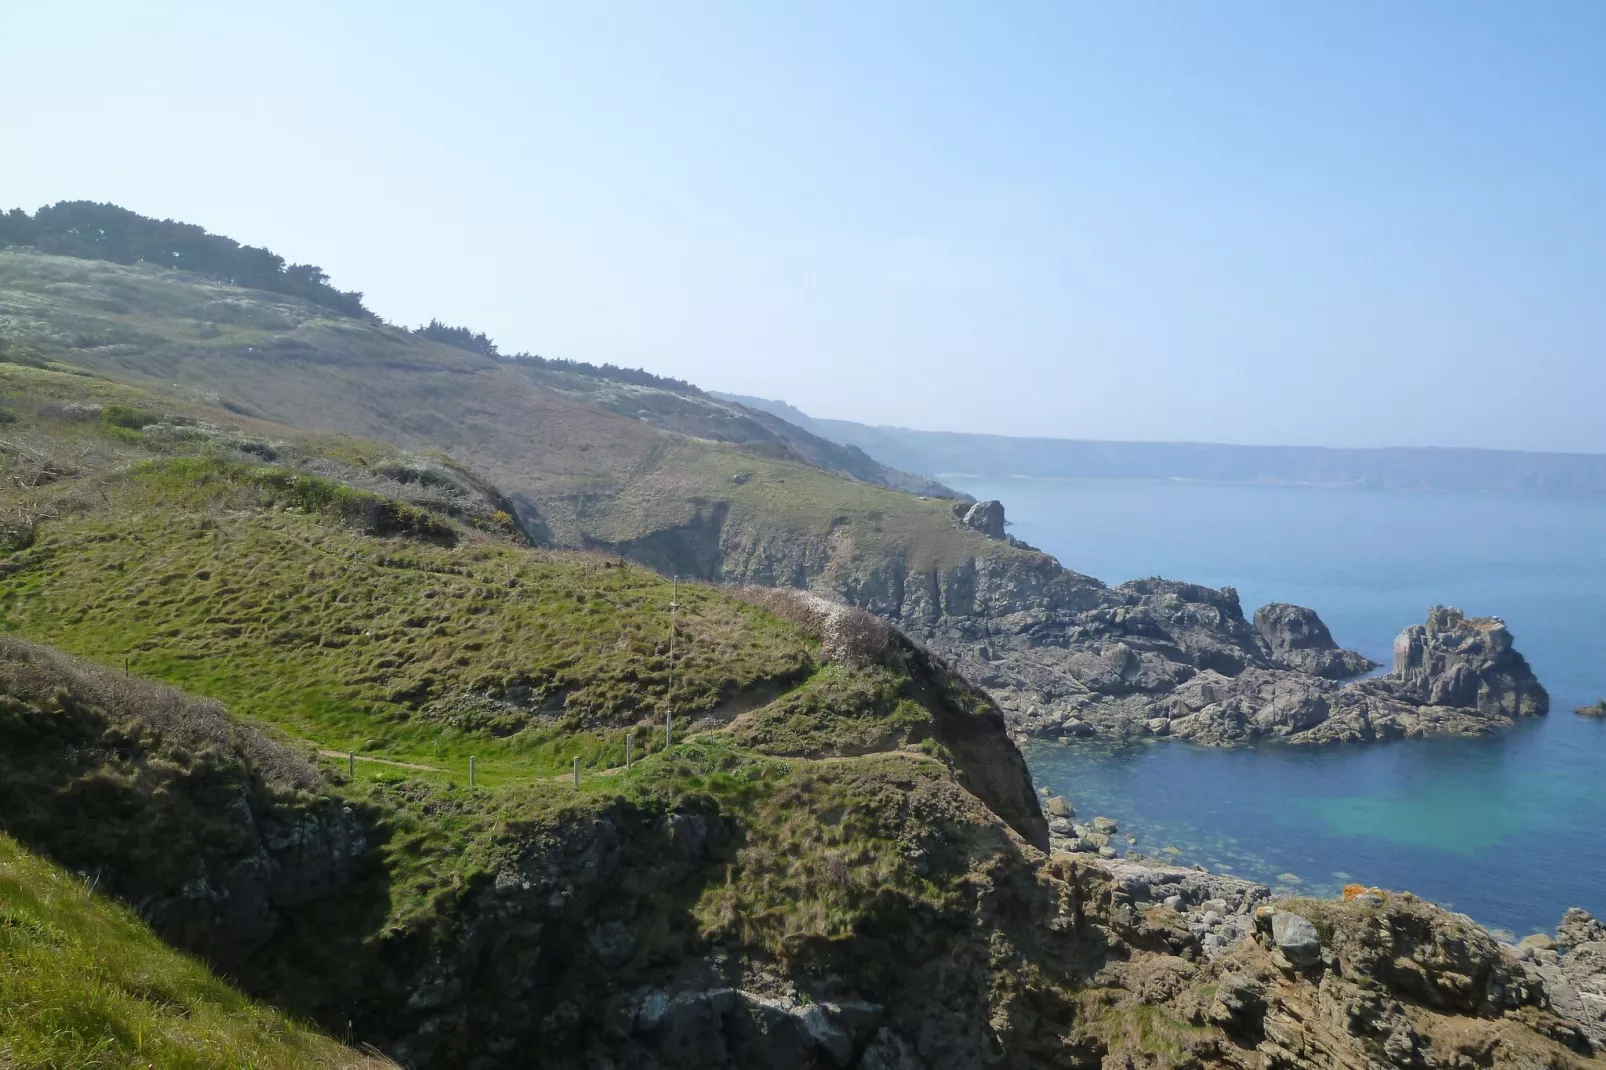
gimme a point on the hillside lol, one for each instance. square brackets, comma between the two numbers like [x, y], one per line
[588, 462]
[1002, 456]
[84, 983]
[418, 630]
[331, 716]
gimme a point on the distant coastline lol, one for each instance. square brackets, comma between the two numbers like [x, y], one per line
[951, 454]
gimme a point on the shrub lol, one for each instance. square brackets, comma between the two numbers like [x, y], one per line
[127, 417]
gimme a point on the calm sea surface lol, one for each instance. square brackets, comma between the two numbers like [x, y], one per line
[1509, 829]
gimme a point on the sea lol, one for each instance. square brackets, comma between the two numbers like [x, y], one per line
[1509, 828]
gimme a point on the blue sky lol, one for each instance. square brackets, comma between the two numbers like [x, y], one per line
[1339, 224]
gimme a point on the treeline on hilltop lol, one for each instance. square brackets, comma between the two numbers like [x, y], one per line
[94, 231]
[481, 343]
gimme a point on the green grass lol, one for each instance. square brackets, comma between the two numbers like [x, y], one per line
[590, 477]
[279, 573]
[392, 647]
[84, 985]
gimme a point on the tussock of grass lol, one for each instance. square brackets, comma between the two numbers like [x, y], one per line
[396, 645]
[85, 986]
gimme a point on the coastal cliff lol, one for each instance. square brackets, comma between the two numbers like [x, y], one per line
[1065, 655]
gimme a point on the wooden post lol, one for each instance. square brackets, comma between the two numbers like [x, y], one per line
[351, 764]
[471, 770]
[577, 771]
[628, 742]
[125, 666]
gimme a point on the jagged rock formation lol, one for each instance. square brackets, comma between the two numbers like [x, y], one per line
[1295, 638]
[1066, 656]
[1376, 979]
[1453, 660]
[1574, 971]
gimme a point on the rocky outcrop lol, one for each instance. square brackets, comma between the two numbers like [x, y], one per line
[1574, 970]
[1377, 979]
[1455, 660]
[986, 517]
[1295, 638]
[1068, 657]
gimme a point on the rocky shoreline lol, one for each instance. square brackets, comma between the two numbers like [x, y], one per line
[1366, 980]
[1066, 656]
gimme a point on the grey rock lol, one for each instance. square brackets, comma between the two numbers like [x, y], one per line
[1060, 806]
[1174, 902]
[1295, 638]
[1295, 936]
[1105, 824]
[1579, 927]
[986, 517]
[1455, 660]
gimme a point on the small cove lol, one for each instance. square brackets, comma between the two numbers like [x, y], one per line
[1510, 828]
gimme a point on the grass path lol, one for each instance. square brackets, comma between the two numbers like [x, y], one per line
[378, 761]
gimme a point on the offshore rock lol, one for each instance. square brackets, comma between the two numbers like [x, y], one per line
[1455, 660]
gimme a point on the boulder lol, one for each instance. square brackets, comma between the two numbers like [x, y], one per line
[1060, 806]
[1295, 936]
[1456, 660]
[1295, 638]
[1594, 709]
[986, 517]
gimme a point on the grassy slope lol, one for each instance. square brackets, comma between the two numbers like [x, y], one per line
[705, 416]
[257, 583]
[84, 985]
[591, 476]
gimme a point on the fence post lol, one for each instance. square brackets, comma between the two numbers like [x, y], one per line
[576, 770]
[351, 764]
[628, 742]
[471, 770]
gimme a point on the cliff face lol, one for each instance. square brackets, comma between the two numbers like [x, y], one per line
[1065, 655]
[1453, 660]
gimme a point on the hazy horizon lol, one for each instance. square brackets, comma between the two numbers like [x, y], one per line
[1253, 224]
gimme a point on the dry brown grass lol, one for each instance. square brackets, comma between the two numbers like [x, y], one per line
[37, 673]
[845, 633]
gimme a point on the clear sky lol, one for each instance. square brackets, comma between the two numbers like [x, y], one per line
[1332, 223]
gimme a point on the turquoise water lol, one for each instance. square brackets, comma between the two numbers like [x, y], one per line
[1509, 829]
